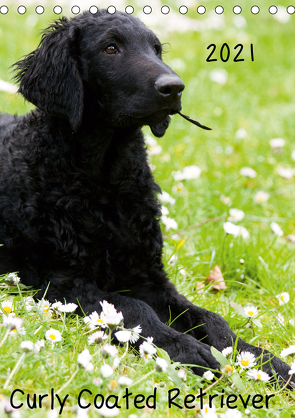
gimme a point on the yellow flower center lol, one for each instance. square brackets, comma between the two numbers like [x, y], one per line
[282, 297]
[99, 321]
[52, 337]
[250, 313]
[146, 356]
[7, 309]
[245, 362]
[14, 330]
[46, 308]
[228, 368]
[206, 410]
[258, 376]
[113, 383]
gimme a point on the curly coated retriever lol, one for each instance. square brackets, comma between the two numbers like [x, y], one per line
[78, 206]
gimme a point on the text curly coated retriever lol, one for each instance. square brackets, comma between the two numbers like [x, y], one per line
[78, 206]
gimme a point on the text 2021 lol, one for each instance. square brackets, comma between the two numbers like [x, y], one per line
[225, 53]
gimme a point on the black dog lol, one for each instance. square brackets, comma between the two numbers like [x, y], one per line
[78, 205]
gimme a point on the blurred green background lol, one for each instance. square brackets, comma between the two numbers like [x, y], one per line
[250, 103]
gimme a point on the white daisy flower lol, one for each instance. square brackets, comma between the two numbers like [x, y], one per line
[288, 351]
[182, 374]
[209, 412]
[261, 196]
[165, 197]
[208, 375]
[246, 360]
[164, 211]
[283, 298]
[21, 331]
[241, 133]
[106, 371]
[12, 278]
[53, 335]
[44, 305]
[258, 375]
[227, 369]
[56, 305]
[286, 173]
[68, 307]
[281, 319]
[113, 411]
[38, 345]
[109, 351]
[276, 229]
[155, 150]
[282, 15]
[94, 320]
[124, 381]
[150, 141]
[123, 336]
[277, 143]
[179, 187]
[236, 215]
[81, 413]
[233, 413]
[225, 200]
[231, 229]
[248, 172]
[97, 337]
[244, 232]
[173, 260]
[292, 371]
[169, 223]
[112, 320]
[161, 365]
[188, 173]
[7, 306]
[135, 334]
[27, 346]
[116, 363]
[108, 308]
[29, 303]
[251, 311]
[84, 360]
[146, 349]
[218, 76]
[52, 413]
[11, 322]
[227, 351]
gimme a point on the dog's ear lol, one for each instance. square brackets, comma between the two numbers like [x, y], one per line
[49, 76]
[160, 129]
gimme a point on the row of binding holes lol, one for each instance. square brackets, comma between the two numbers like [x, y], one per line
[148, 10]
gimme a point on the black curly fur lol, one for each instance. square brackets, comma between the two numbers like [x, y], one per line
[78, 207]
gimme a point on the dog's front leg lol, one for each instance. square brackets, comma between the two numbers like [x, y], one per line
[180, 347]
[209, 328]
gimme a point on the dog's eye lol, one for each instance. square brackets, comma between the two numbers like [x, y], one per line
[111, 49]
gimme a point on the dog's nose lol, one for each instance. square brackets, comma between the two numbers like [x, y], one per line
[170, 87]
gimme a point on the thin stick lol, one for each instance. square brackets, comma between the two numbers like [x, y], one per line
[14, 370]
[68, 382]
[195, 122]
[213, 384]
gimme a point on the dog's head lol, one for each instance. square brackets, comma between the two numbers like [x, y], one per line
[109, 65]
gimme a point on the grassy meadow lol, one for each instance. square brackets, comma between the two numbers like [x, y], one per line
[247, 104]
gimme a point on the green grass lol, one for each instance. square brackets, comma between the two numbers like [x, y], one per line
[259, 97]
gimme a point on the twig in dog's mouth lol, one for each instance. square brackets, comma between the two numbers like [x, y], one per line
[195, 122]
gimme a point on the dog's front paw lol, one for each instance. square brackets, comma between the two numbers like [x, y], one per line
[195, 354]
[279, 372]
